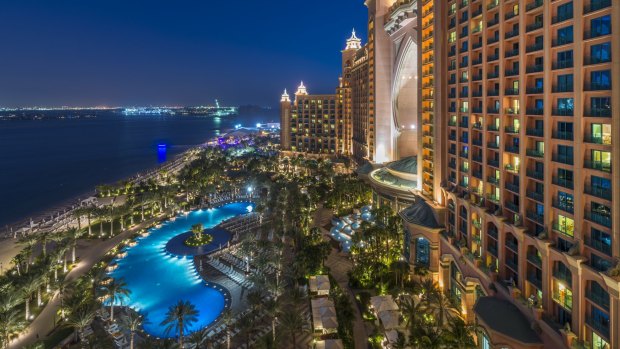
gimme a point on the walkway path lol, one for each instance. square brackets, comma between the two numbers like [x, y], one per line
[44, 323]
[339, 265]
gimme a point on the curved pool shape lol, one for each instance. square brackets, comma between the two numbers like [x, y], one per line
[158, 280]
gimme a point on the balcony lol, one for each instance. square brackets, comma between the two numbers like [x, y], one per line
[535, 217]
[597, 112]
[563, 135]
[512, 33]
[464, 169]
[535, 47]
[511, 129]
[476, 110]
[452, 123]
[511, 149]
[511, 15]
[561, 18]
[452, 165]
[536, 175]
[477, 77]
[564, 159]
[562, 88]
[536, 196]
[493, 111]
[493, 128]
[491, 41]
[513, 187]
[512, 53]
[493, 198]
[564, 64]
[562, 112]
[477, 174]
[493, 145]
[512, 265]
[562, 182]
[512, 207]
[588, 34]
[599, 325]
[534, 280]
[493, 93]
[452, 151]
[492, 22]
[598, 165]
[596, 5]
[494, 163]
[534, 4]
[561, 41]
[477, 125]
[477, 142]
[477, 158]
[492, 75]
[463, 124]
[535, 153]
[535, 132]
[598, 218]
[533, 26]
[589, 60]
[534, 90]
[493, 180]
[511, 111]
[563, 206]
[535, 111]
[492, 250]
[598, 245]
[511, 91]
[537, 68]
[602, 193]
[593, 86]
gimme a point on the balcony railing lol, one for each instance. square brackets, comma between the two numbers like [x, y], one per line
[564, 159]
[535, 111]
[564, 135]
[512, 187]
[512, 33]
[534, 90]
[596, 5]
[512, 207]
[534, 68]
[598, 165]
[494, 163]
[535, 153]
[563, 206]
[603, 193]
[535, 281]
[599, 325]
[538, 218]
[589, 60]
[493, 145]
[534, 4]
[593, 86]
[536, 175]
[597, 112]
[598, 218]
[511, 149]
[540, 197]
[563, 112]
[534, 26]
[561, 18]
[511, 91]
[567, 63]
[563, 182]
[598, 245]
[563, 88]
[561, 41]
[535, 132]
[493, 180]
[535, 47]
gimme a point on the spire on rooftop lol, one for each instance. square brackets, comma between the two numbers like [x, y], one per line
[354, 43]
[301, 90]
[285, 97]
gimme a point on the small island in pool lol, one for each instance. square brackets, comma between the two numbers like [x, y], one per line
[198, 238]
[183, 245]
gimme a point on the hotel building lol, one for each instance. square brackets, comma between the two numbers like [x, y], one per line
[523, 95]
[313, 124]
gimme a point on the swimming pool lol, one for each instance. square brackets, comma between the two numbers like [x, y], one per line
[158, 279]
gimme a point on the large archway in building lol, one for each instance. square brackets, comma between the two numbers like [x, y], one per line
[405, 98]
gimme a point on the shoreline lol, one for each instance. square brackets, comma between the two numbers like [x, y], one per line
[39, 219]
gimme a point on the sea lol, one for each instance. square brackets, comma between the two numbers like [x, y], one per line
[45, 163]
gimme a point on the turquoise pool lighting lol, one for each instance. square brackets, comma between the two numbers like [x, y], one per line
[158, 279]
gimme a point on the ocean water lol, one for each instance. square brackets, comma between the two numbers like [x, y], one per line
[44, 163]
[158, 280]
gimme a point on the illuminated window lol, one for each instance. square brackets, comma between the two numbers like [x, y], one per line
[566, 225]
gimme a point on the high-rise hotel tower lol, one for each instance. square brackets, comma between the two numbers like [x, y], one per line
[526, 94]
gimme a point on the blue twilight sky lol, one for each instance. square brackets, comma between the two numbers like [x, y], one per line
[181, 52]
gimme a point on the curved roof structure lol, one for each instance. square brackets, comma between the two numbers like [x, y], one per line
[365, 169]
[420, 213]
[505, 318]
[384, 176]
[406, 165]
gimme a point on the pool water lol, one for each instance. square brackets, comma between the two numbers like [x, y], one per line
[158, 280]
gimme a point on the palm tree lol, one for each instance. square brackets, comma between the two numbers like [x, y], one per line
[459, 333]
[116, 290]
[29, 287]
[273, 310]
[293, 324]
[132, 323]
[200, 339]
[247, 327]
[179, 318]
[227, 320]
[79, 319]
[442, 308]
[197, 230]
[10, 325]
[74, 234]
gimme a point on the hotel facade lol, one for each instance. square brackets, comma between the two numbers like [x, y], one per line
[493, 128]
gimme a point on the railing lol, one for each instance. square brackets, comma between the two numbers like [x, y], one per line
[534, 68]
[514, 208]
[536, 132]
[494, 163]
[599, 325]
[562, 88]
[512, 187]
[534, 90]
[597, 112]
[535, 111]
[563, 112]
[536, 175]
[561, 41]
[535, 217]
[561, 18]
[594, 86]
[564, 159]
[563, 182]
[603, 193]
[511, 149]
[598, 245]
[534, 153]
[493, 180]
[596, 5]
[535, 47]
[533, 26]
[535, 281]
[511, 91]
[564, 135]
[534, 4]
[567, 63]
[563, 206]
[598, 165]
[598, 218]
[540, 197]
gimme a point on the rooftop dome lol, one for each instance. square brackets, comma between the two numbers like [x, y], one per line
[420, 213]
[406, 165]
[365, 169]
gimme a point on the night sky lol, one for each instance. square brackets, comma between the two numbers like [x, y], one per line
[175, 52]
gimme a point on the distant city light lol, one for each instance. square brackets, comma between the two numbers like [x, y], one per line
[258, 125]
